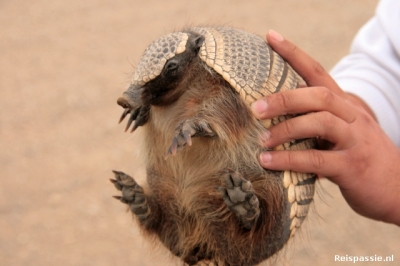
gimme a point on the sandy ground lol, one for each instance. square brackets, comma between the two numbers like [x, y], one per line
[63, 64]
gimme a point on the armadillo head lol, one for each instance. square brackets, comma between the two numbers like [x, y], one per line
[160, 70]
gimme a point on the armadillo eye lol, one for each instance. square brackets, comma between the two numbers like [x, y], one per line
[171, 65]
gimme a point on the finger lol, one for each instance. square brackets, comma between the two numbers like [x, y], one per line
[310, 70]
[322, 124]
[326, 163]
[310, 99]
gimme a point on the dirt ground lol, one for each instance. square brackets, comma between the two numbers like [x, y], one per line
[63, 64]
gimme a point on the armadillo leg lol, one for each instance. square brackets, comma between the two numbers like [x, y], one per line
[239, 196]
[132, 195]
[194, 127]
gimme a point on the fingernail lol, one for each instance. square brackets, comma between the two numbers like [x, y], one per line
[265, 158]
[275, 36]
[259, 107]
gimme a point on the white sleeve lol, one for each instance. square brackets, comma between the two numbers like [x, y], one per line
[372, 69]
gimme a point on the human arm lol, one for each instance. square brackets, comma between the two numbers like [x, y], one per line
[371, 71]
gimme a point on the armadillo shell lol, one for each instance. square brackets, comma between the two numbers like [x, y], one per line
[246, 62]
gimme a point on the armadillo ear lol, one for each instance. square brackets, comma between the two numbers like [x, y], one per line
[196, 41]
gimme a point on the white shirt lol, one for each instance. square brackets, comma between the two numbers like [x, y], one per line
[372, 69]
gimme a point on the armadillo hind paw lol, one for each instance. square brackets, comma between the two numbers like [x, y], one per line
[239, 196]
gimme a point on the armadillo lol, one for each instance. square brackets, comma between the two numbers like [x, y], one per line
[207, 199]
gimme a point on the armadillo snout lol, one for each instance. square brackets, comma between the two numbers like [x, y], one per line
[123, 102]
[137, 112]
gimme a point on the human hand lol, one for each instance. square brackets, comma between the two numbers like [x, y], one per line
[358, 156]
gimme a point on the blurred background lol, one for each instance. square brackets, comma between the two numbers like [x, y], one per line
[63, 64]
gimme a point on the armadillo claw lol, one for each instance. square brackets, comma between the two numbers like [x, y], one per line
[195, 127]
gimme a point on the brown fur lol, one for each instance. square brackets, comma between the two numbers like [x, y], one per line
[188, 214]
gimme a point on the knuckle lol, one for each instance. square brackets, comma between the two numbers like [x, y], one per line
[318, 69]
[327, 120]
[283, 100]
[358, 160]
[365, 117]
[288, 127]
[316, 159]
[326, 96]
[291, 158]
[293, 48]
[280, 100]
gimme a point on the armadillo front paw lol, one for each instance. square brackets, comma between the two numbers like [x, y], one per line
[186, 130]
[239, 196]
[132, 194]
